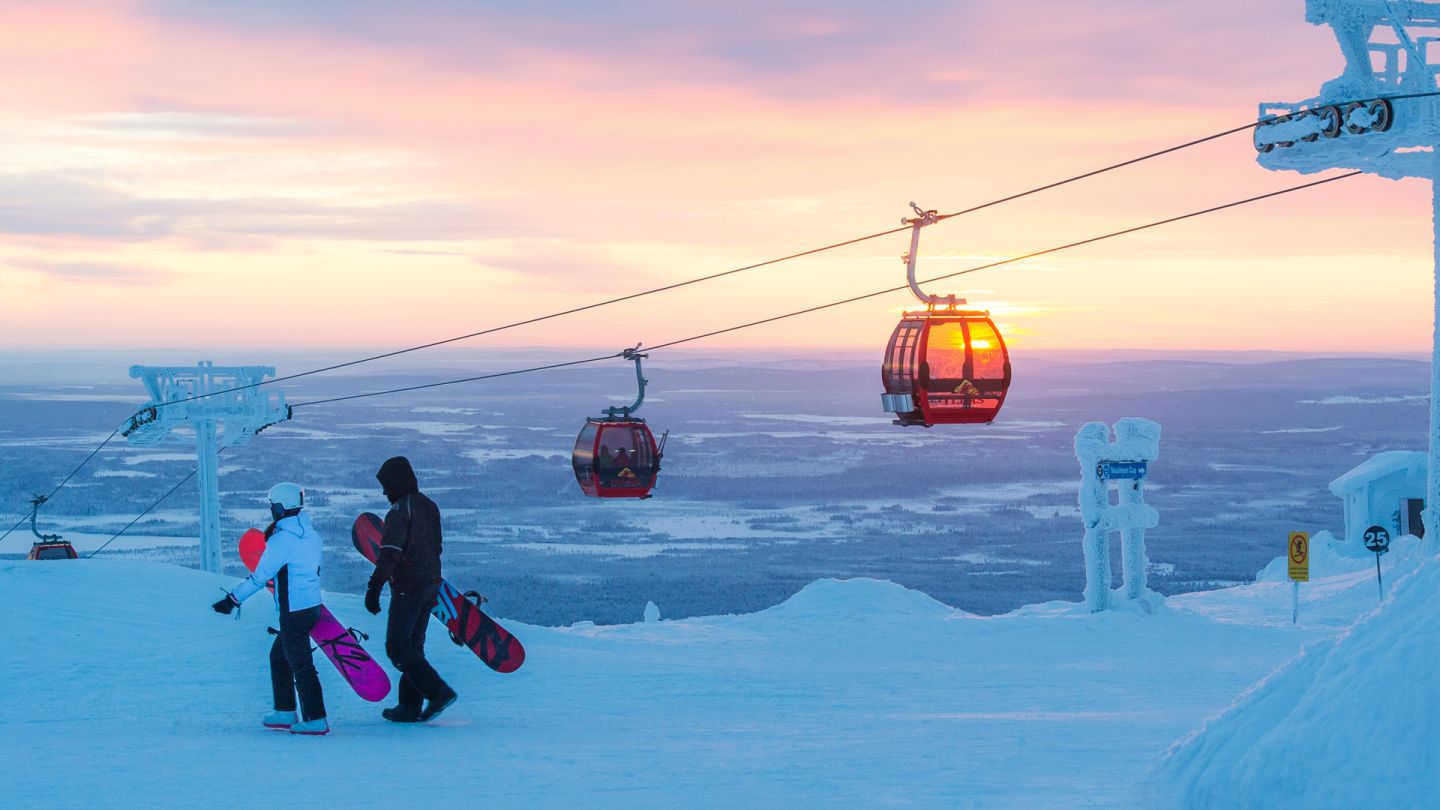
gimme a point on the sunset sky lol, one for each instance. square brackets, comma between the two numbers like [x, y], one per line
[335, 175]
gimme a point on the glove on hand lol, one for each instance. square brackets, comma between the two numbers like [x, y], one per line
[372, 596]
[225, 605]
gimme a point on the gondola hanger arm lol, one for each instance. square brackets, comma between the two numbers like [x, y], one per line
[922, 218]
[640, 381]
[35, 504]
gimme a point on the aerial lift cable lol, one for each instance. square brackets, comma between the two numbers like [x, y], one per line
[710, 277]
[875, 294]
[817, 308]
[769, 262]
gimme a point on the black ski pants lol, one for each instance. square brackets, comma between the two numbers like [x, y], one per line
[405, 646]
[291, 667]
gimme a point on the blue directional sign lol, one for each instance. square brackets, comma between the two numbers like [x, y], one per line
[1113, 470]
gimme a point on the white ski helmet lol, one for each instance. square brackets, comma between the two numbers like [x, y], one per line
[290, 497]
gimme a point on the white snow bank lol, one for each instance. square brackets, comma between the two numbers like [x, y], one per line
[1353, 722]
[1330, 557]
[858, 599]
[1149, 603]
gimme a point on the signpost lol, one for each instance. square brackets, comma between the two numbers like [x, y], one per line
[1298, 555]
[1377, 539]
[1122, 463]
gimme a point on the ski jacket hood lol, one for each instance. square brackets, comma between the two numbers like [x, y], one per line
[397, 478]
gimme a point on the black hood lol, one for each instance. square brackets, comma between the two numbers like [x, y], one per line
[398, 478]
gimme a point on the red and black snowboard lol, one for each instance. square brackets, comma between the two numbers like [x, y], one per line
[459, 612]
[340, 645]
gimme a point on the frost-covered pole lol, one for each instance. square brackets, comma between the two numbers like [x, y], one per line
[1124, 461]
[1090, 441]
[1432, 475]
[1141, 434]
[207, 466]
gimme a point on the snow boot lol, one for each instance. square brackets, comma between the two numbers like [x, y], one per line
[314, 727]
[438, 704]
[279, 720]
[402, 714]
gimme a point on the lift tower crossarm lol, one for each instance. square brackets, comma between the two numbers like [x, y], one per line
[1326, 12]
[223, 406]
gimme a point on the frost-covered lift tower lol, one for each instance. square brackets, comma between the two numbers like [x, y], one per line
[1361, 120]
[200, 399]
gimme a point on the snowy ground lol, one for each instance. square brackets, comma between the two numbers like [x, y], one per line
[124, 689]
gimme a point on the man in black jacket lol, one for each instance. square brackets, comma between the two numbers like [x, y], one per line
[410, 562]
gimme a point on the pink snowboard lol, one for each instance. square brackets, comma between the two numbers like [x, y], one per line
[340, 645]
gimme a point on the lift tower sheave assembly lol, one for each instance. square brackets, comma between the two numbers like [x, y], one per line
[214, 406]
[1370, 118]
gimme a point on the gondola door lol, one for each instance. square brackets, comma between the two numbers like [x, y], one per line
[964, 371]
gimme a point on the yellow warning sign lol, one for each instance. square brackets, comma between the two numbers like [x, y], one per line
[1299, 556]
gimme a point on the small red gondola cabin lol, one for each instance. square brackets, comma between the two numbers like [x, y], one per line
[616, 458]
[945, 368]
[52, 550]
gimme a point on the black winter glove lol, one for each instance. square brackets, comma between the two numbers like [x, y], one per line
[225, 605]
[372, 597]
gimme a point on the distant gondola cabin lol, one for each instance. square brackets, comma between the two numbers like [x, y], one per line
[52, 550]
[616, 458]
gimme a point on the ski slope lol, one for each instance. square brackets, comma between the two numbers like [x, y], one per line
[122, 688]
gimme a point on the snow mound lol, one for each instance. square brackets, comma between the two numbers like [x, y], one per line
[1354, 721]
[858, 599]
[1149, 603]
[1330, 557]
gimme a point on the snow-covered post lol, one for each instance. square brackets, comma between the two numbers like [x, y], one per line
[1144, 436]
[1432, 476]
[1125, 461]
[1090, 443]
[207, 468]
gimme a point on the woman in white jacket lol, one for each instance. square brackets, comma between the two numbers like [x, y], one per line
[292, 560]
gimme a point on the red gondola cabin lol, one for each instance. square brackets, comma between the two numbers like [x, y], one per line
[616, 458]
[945, 368]
[52, 550]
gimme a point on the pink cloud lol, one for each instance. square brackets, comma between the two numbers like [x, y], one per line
[660, 149]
